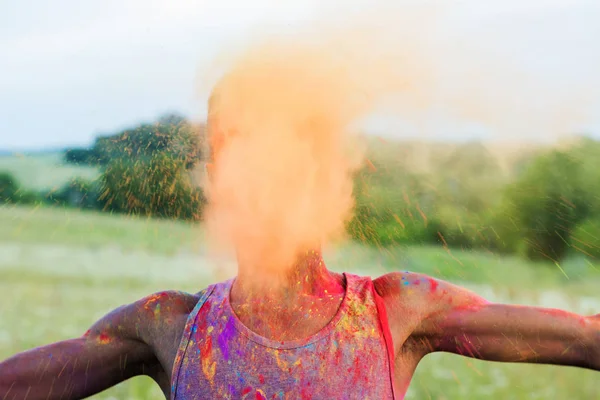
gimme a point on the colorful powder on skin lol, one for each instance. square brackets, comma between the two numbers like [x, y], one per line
[104, 339]
[432, 284]
[155, 299]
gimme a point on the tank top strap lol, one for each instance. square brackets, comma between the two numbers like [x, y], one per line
[188, 331]
[362, 289]
[387, 334]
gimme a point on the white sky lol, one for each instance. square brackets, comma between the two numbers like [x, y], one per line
[70, 69]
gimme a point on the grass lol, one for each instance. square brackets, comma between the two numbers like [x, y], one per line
[61, 270]
[44, 171]
[93, 229]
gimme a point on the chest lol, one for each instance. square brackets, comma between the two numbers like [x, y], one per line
[345, 357]
[343, 365]
[289, 323]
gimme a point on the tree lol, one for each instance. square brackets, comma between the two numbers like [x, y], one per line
[77, 193]
[171, 134]
[159, 186]
[547, 203]
[393, 206]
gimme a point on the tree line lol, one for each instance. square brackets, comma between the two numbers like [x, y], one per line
[145, 170]
[543, 205]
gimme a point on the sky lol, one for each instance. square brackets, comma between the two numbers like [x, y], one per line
[71, 69]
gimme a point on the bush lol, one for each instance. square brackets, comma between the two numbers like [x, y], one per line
[159, 187]
[28, 197]
[553, 196]
[8, 188]
[77, 193]
[586, 238]
[10, 192]
[384, 216]
[81, 156]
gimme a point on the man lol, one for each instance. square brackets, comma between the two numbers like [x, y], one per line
[309, 334]
[418, 314]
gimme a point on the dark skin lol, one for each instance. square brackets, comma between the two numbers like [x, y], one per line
[425, 316]
[127, 342]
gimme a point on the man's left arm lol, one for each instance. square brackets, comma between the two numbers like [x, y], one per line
[458, 321]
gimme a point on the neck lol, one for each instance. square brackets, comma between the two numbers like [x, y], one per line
[308, 276]
[293, 304]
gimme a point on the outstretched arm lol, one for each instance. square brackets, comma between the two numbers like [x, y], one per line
[110, 352]
[455, 320]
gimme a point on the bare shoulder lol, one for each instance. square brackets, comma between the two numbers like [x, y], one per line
[139, 319]
[397, 283]
[153, 325]
[420, 289]
[411, 288]
[161, 320]
[156, 321]
[407, 297]
[162, 307]
[413, 297]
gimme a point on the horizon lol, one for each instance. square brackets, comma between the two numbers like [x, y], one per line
[33, 151]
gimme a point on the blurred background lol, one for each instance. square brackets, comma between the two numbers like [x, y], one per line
[102, 152]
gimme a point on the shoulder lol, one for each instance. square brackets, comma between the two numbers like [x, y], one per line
[418, 288]
[406, 293]
[166, 304]
[142, 319]
[415, 297]
[410, 286]
[147, 331]
[166, 310]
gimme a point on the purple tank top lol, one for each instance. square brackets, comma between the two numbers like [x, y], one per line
[220, 358]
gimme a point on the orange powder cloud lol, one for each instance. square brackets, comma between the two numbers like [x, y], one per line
[279, 125]
[281, 118]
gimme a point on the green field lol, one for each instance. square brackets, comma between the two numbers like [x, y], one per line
[60, 270]
[45, 171]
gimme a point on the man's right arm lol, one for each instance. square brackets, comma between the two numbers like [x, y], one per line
[112, 351]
